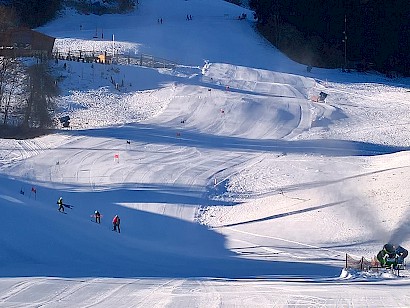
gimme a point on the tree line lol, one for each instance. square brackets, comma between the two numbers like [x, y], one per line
[27, 94]
[27, 86]
[35, 13]
[359, 34]
[30, 13]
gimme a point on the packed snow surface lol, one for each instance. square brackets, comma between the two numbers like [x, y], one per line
[234, 186]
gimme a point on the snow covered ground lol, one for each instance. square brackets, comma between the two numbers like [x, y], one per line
[233, 186]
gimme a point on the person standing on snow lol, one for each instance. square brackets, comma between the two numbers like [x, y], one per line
[97, 216]
[116, 223]
[60, 204]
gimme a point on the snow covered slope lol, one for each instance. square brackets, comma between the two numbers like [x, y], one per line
[234, 188]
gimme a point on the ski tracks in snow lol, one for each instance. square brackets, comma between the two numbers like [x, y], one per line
[16, 289]
[159, 294]
[85, 293]
[64, 293]
[295, 249]
[196, 292]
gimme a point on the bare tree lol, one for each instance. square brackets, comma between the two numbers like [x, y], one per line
[8, 18]
[42, 88]
[11, 82]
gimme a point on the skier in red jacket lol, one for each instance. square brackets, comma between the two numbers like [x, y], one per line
[116, 223]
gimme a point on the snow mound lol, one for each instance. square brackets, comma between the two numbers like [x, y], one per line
[350, 274]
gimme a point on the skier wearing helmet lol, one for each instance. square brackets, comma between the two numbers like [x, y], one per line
[97, 216]
[391, 255]
[60, 204]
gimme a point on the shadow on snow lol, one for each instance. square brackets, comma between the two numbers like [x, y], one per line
[154, 134]
[40, 241]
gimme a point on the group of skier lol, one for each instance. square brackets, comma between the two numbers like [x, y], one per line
[390, 256]
[97, 215]
[115, 221]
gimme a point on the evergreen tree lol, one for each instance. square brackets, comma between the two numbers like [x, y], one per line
[34, 13]
[8, 18]
[377, 31]
[42, 89]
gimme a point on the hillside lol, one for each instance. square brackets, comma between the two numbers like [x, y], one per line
[234, 188]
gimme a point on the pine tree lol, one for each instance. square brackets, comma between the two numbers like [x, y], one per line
[34, 13]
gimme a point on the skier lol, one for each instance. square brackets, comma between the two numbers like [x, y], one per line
[97, 216]
[60, 204]
[116, 223]
[391, 255]
[401, 254]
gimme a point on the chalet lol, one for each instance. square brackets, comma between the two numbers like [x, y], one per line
[24, 42]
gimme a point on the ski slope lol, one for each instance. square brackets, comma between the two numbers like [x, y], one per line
[234, 188]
